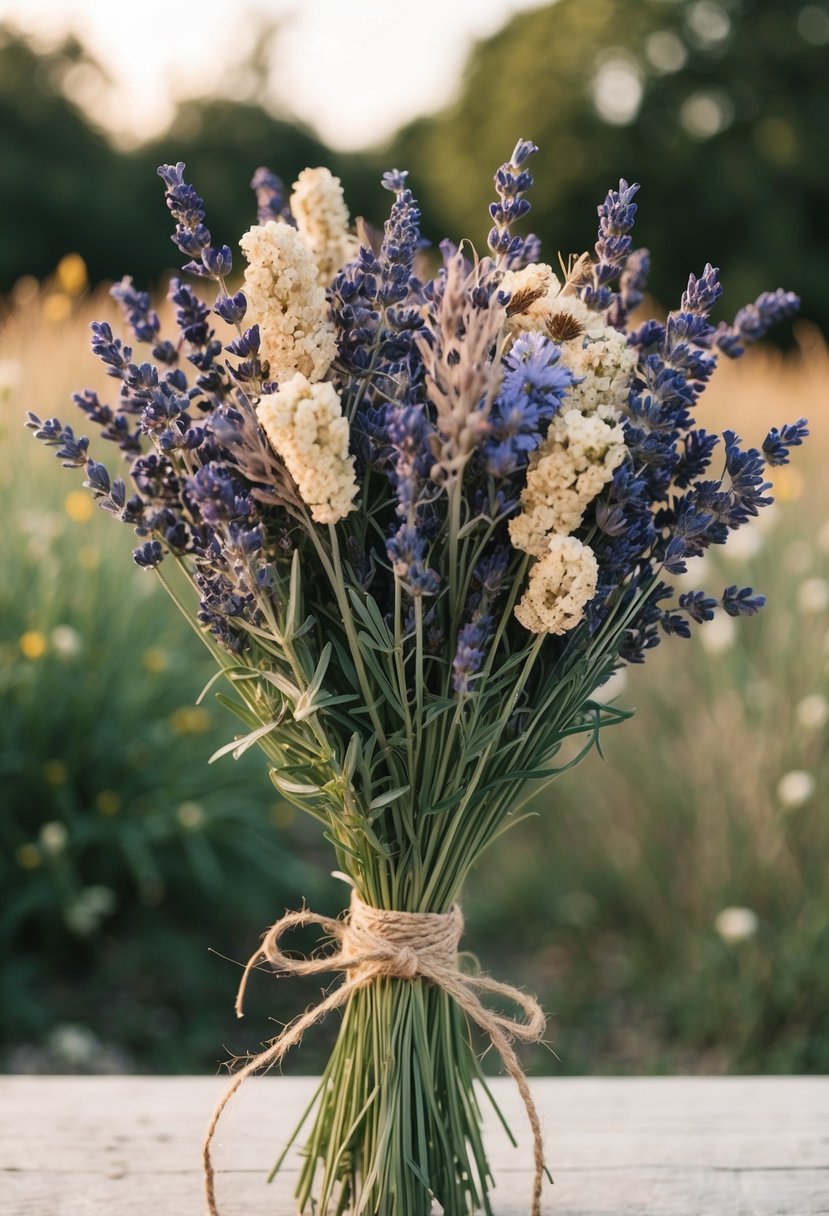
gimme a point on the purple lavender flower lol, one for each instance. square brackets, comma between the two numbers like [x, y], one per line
[471, 651]
[616, 216]
[270, 197]
[511, 183]
[191, 235]
[755, 320]
[407, 550]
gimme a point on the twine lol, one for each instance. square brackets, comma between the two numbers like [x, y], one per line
[375, 943]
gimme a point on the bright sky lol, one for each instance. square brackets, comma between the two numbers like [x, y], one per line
[353, 69]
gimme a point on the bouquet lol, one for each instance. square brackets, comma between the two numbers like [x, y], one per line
[419, 505]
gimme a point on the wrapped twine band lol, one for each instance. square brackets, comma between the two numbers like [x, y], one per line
[377, 943]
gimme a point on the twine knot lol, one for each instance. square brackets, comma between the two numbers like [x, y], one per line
[380, 942]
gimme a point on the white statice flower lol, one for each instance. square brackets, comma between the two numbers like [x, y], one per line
[595, 352]
[736, 924]
[305, 425]
[795, 788]
[287, 301]
[605, 365]
[570, 467]
[322, 220]
[559, 586]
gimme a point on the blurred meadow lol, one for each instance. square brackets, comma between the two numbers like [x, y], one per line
[668, 902]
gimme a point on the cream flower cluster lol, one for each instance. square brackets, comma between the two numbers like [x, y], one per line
[318, 206]
[560, 585]
[595, 352]
[567, 471]
[305, 425]
[577, 457]
[287, 301]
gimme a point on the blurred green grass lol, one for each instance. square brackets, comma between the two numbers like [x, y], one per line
[124, 857]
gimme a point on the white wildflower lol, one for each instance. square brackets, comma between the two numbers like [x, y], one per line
[567, 471]
[66, 641]
[53, 837]
[795, 788]
[744, 543]
[73, 1044]
[190, 815]
[697, 572]
[798, 557]
[86, 912]
[287, 302]
[305, 425]
[318, 206]
[813, 711]
[11, 375]
[736, 924]
[559, 586]
[813, 596]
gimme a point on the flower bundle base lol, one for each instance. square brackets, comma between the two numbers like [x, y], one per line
[418, 522]
[395, 1093]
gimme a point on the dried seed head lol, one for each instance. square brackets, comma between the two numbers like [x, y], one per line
[563, 327]
[523, 299]
[577, 270]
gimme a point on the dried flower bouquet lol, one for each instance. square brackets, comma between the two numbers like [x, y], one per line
[419, 522]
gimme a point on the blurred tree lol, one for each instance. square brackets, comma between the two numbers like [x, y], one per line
[59, 176]
[65, 187]
[718, 107]
[223, 142]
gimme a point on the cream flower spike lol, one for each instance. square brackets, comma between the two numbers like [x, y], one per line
[560, 584]
[304, 424]
[322, 220]
[286, 300]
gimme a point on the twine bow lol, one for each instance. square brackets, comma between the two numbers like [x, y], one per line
[375, 943]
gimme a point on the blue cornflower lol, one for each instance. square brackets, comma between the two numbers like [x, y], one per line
[532, 389]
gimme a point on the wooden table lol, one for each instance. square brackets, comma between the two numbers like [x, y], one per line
[696, 1146]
